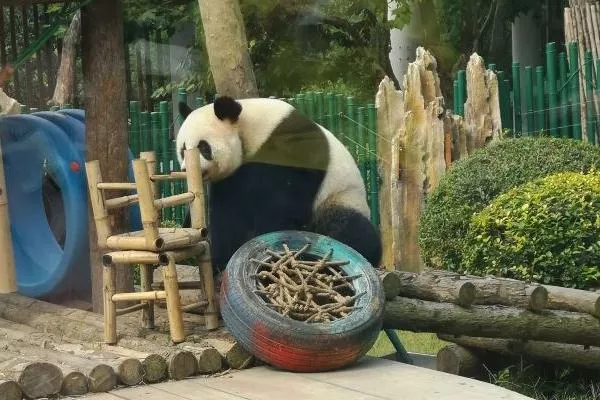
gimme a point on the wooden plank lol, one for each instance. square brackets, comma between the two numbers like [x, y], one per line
[187, 389]
[393, 380]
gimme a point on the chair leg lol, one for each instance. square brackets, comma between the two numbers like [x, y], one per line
[110, 308]
[174, 312]
[211, 313]
[146, 278]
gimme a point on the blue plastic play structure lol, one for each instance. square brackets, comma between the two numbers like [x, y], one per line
[44, 164]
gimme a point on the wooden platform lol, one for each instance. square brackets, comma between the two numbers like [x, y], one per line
[371, 379]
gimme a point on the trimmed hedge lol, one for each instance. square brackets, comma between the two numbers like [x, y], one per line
[472, 183]
[545, 231]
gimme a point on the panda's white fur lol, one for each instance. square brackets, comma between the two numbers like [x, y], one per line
[232, 143]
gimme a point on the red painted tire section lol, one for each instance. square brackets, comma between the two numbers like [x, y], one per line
[295, 345]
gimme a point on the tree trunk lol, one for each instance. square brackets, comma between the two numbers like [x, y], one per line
[227, 48]
[440, 288]
[545, 351]
[106, 119]
[64, 90]
[491, 321]
[560, 298]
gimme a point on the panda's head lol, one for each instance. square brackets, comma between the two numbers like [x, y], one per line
[214, 129]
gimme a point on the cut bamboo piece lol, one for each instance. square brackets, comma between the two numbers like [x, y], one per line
[124, 201]
[194, 306]
[131, 241]
[131, 309]
[176, 175]
[133, 257]
[175, 200]
[173, 301]
[116, 186]
[187, 285]
[137, 296]
[10, 390]
[110, 309]
[182, 239]
[8, 280]
[188, 252]
[211, 313]
[146, 277]
[195, 185]
[150, 158]
[147, 210]
[94, 179]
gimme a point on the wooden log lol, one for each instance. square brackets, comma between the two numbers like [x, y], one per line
[182, 364]
[137, 296]
[156, 368]
[130, 371]
[560, 298]
[175, 200]
[36, 379]
[391, 283]
[133, 257]
[577, 355]
[119, 202]
[75, 383]
[457, 360]
[233, 353]
[436, 287]
[10, 390]
[209, 359]
[492, 321]
[445, 286]
[102, 378]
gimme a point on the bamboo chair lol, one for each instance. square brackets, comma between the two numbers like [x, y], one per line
[152, 246]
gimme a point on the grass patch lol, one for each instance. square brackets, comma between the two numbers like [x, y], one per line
[425, 343]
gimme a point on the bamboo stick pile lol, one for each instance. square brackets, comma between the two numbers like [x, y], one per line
[490, 317]
[582, 25]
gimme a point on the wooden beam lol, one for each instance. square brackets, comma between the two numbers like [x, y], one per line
[106, 118]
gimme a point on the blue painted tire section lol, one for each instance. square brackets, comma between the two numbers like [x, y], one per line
[43, 267]
[287, 343]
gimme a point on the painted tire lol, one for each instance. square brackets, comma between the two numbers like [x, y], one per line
[295, 345]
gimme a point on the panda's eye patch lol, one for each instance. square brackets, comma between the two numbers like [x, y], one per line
[205, 150]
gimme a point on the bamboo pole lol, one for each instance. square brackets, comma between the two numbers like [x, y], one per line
[131, 309]
[147, 210]
[195, 186]
[211, 312]
[123, 201]
[110, 308]
[174, 200]
[173, 301]
[8, 279]
[117, 186]
[138, 243]
[136, 296]
[94, 179]
[146, 277]
[133, 257]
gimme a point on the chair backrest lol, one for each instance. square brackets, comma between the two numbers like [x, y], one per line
[147, 195]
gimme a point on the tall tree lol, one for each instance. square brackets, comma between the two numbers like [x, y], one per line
[106, 118]
[227, 48]
[65, 79]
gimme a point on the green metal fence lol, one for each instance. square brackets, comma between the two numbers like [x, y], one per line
[551, 95]
[354, 124]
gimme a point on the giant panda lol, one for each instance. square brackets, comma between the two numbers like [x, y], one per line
[271, 168]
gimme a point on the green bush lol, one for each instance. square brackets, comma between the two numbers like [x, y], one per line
[546, 231]
[472, 183]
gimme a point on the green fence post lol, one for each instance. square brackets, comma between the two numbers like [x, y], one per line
[574, 81]
[199, 102]
[351, 127]
[455, 93]
[596, 86]
[146, 138]
[320, 104]
[341, 126]
[360, 147]
[330, 118]
[300, 101]
[492, 67]
[310, 105]
[589, 88]
[516, 72]
[540, 120]
[563, 67]
[551, 82]
[373, 170]
[504, 100]
[529, 100]
[155, 130]
[164, 156]
[462, 90]
[134, 138]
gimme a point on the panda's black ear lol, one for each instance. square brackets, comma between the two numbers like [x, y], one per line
[227, 108]
[184, 109]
